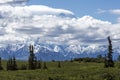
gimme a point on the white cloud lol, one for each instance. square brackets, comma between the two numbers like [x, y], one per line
[5, 1]
[39, 9]
[13, 2]
[118, 20]
[51, 25]
[100, 11]
[115, 11]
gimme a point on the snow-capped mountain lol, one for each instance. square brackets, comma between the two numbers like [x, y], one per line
[55, 52]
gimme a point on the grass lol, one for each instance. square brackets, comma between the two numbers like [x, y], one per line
[68, 71]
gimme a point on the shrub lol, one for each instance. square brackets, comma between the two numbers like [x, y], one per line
[108, 76]
[23, 67]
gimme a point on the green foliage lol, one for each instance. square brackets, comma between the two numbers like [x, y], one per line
[108, 76]
[117, 65]
[69, 71]
[56, 78]
[87, 59]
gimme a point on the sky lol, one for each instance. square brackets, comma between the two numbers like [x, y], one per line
[59, 22]
[97, 8]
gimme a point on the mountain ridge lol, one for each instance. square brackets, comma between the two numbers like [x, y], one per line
[55, 52]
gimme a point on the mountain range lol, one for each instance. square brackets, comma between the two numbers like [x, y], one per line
[47, 52]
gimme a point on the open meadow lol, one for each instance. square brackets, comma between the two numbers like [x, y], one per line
[69, 71]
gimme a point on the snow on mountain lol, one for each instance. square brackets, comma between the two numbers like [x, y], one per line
[74, 48]
[56, 49]
[55, 52]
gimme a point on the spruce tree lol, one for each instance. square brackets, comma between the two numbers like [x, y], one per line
[1, 68]
[32, 59]
[109, 61]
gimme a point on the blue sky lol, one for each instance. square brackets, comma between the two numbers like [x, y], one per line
[84, 7]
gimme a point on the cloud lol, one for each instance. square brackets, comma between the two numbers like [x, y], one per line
[2, 2]
[50, 25]
[118, 19]
[5, 1]
[29, 30]
[2, 31]
[115, 11]
[100, 11]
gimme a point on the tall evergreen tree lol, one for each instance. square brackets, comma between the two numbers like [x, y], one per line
[32, 59]
[109, 61]
[1, 68]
